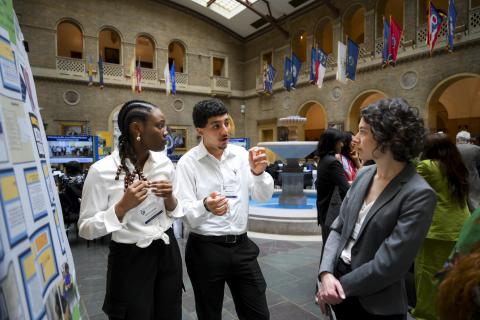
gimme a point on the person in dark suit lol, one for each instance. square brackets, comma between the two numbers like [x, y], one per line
[383, 219]
[331, 184]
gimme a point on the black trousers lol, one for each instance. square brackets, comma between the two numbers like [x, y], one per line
[212, 264]
[351, 308]
[144, 283]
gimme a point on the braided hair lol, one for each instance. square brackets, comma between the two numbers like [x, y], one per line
[131, 111]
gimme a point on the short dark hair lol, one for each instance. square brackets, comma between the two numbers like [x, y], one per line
[205, 109]
[327, 141]
[396, 126]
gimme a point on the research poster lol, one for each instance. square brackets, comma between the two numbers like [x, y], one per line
[37, 274]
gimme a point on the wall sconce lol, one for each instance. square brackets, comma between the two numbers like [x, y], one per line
[242, 109]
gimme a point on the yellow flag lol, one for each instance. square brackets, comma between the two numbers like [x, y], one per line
[132, 73]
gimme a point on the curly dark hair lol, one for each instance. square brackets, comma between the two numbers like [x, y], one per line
[396, 126]
[206, 109]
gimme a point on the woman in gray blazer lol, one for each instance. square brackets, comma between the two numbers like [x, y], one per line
[383, 219]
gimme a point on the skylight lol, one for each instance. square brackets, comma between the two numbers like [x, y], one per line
[226, 8]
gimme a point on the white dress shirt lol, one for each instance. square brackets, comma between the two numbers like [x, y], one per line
[199, 173]
[101, 192]
[346, 255]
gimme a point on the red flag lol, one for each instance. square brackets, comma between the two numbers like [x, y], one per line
[434, 26]
[395, 36]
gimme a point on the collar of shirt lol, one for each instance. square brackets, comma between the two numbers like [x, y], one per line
[151, 161]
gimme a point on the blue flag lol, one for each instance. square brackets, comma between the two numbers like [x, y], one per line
[172, 78]
[296, 65]
[100, 71]
[287, 74]
[268, 85]
[352, 58]
[452, 21]
[313, 65]
[386, 39]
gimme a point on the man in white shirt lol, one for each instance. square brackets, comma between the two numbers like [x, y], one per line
[215, 180]
[471, 157]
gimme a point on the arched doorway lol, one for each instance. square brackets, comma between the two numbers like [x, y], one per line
[360, 102]
[316, 121]
[453, 105]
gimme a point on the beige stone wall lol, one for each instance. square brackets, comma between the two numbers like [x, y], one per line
[38, 21]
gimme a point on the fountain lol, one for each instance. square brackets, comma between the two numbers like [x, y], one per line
[292, 150]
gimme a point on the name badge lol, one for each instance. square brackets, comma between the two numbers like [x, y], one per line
[150, 210]
[230, 191]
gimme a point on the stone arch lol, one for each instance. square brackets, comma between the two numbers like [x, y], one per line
[111, 42]
[359, 102]
[65, 42]
[353, 19]
[299, 45]
[317, 120]
[454, 102]
[176, 45]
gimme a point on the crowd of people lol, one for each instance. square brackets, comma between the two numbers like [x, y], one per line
[390, 199]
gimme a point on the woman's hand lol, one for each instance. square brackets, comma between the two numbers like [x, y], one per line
[133, 196]
[164, 189]
[330, 292]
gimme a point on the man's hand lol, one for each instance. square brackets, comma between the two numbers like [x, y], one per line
[217, 204]
[257, 158]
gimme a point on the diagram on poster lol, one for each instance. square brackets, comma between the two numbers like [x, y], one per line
[37, 135]
[44, 256]
[17, 129]
[8, 66]
[61, 238]
[31, 284]
[46, 175]
[11, 205]
[35, 193]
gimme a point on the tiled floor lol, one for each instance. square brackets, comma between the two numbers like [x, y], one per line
[289, 268]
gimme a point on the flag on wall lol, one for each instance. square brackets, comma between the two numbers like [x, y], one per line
[100, 71]
[452, 22]
[321, 67]
[434, 26]
[341, 62]
[313, 66]
[132, 73]
[386, 43]
[166, 75]
[352, 58]
[296, 66]
[138, 76]
[173, 82]
[268, 81]
[90, 70]
[394, 43]
[287, 74]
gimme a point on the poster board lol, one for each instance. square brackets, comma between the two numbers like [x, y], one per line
[37, 274]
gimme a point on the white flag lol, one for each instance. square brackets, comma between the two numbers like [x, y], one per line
[132, 73]
[320, 74]
[166, 74]
[342, 63]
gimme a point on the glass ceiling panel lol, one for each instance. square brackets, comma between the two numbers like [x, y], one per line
[226, 8]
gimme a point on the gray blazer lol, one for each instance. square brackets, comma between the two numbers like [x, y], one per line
[389, 239]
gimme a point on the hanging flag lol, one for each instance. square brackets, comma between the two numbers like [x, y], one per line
[100, 71]
[90, 70]
[395, 36]
[173, 82]
[138, 76]
[434, 26]
[452, 22]
[321, 67]
[341, 63]
[166, 75]
[287, 74]
[386, 43]
[132, 73]
[296, 66]
[352, 58]
[313, 66]
[270, 75]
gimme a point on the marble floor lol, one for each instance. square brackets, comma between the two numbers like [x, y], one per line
[289, 268]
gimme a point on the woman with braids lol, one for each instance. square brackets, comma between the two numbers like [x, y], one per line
[130, 195]
[442, 167]
[383, 219]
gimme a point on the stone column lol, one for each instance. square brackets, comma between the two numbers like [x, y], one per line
[337, 35]
[410, 21]
[370, 31]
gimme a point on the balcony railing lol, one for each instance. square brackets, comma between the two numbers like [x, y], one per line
[71, 66]
[181, 79]
[114, 71]
[149, 74]
[474, 20]
[221, 85]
